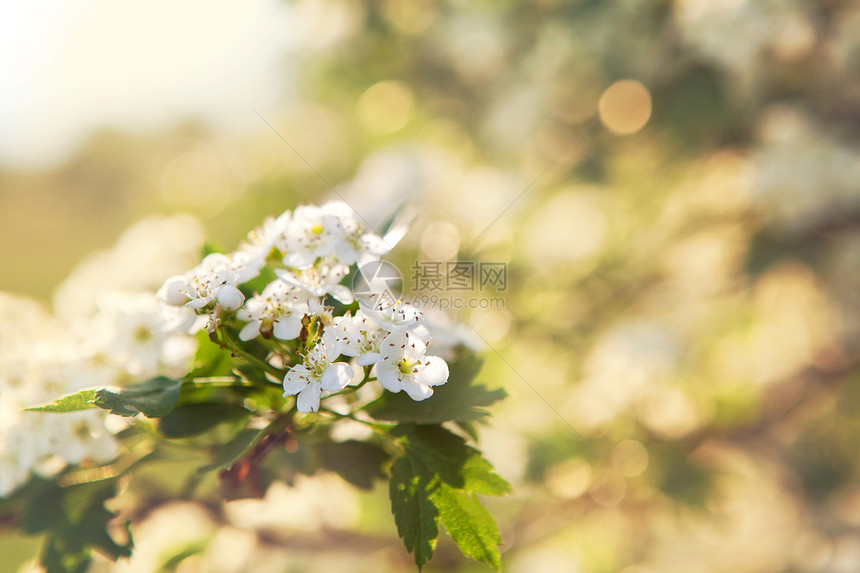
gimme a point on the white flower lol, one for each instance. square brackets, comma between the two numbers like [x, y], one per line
[79, 436]
[307, 238]
[359, 336]
[142, 257]
[14, 467]
[229, 297]
[347, 240]
[404, 365]
[137, 334]
[277, 312]
[396, 316]
[174, 290]
[251, 255]
[180, 320]
[316, 374]
[35, 443]
[213, 281]
[332, 229]
[321, 279]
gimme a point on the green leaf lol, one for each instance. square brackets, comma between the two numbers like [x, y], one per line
[427, 485]
[233, 450]
[82, 400]
[448, 456]
[470, 429]
[154, 398]
[469, 523]
[284, 461]
[75, 520]
[415, 515]
[193, 419]
[460, 399]
[210, 359]
[359, 463]
[57, 559]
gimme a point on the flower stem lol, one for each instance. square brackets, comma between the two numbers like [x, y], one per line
[233, 347]
[218, 382]
[375, 425]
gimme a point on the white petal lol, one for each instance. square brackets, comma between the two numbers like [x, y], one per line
[300, 260]
[198, 302]
[341, 293]
[336, 376]
[288, 327]
[289, 278]
[173, 291]
[332, 224]
[337, 208]
[415, 347]
[374, 246]
[434, 373]
[230, 298]
[345, 253]
[393, 345]
[420, 331]
[296, 380]
[309, 398]
[389, 376]
[368, 359]
[250, 331]
[417, 391]
[329, 341]
[343, 348]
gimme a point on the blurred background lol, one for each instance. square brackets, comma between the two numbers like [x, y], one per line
[674, 185]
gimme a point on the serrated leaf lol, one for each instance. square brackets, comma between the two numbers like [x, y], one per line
[82, 400]
[359, 463]
[75, 519]
[447, 455]
[469, 524]
[470, 428]
[415, 515]
[460, 399]
[154, 398]
[434, 458]
[193, 419]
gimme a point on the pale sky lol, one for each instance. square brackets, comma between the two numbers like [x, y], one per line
[69, 66]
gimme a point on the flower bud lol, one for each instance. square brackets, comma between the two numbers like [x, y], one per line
[173, 291]
[230, 298]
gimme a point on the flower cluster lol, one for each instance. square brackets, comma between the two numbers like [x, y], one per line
[124, 340]
[106, 328]
[310, 252]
